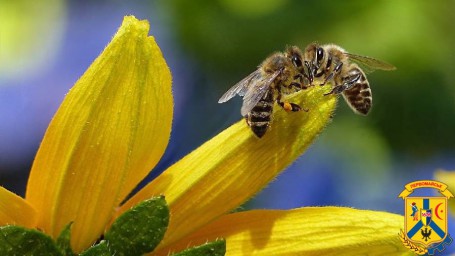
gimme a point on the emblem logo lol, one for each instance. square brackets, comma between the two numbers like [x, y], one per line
[425, 218]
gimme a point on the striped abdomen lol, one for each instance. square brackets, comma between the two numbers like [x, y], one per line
[260, 116]
[359, 96]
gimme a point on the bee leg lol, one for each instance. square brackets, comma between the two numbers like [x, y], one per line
[350, 82]
[336, 70]
[302, 84]
[337, 89]
[309, 75]
[298, 86]
[345, 86]
[299, 76]
[289, 106]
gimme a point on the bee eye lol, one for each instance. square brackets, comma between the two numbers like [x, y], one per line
[319, 54]
[296, 61]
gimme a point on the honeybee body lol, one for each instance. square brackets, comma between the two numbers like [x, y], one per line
[260, 117]
[332, 64]
[280, 73]
[359, 96]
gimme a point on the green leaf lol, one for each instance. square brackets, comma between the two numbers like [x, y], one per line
[15, 240]
[64, 239]
[140, 229]
[100, 249]
[216, 248]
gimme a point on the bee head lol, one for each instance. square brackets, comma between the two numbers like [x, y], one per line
[315, 55]
[276, 62]
[295, 55]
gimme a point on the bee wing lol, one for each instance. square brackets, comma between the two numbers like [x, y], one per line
[241, 87]
[256, 91]
[370, 64]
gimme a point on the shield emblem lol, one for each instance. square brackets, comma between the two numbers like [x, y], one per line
[425, 216]
[426, 219]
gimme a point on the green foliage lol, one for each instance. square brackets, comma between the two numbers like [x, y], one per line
[140, 229]
[215, 248]
[16, 240]
[135, 232]
[64, 239]
[100, 249]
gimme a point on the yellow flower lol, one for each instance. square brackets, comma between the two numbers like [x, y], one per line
[113, 127]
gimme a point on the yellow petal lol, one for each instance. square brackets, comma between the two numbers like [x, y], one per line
[233, 166]
[15, 210]
[304, 231]
[110, 130]
[447, 177]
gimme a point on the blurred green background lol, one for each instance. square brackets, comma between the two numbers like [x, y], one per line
[358, 161]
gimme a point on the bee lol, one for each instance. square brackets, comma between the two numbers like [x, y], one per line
[279, 74]
[331, 63]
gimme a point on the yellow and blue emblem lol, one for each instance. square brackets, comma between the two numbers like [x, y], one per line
[425, 227]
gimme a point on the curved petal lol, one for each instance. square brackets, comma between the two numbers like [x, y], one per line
[15, 210]
[233, 166]
[110, 130]
[304, 231]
